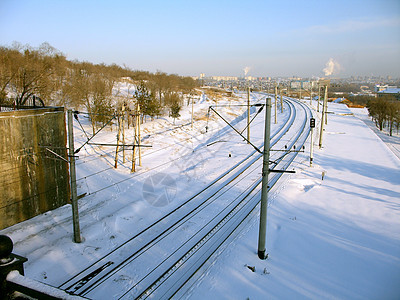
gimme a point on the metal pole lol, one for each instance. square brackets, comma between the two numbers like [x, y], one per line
[123, 133]
[118, 135]
[133, 169]
[319, 95]
[248, 114]
[311, 146]
[326, 104]
[192, 109]
[322, 122]
[300, 90]
[74, 194]
[276, 95]
[138, 135]
[280, 91]
[264, 189]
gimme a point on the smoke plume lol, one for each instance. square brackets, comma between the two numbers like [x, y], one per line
[331, 67]
[246, 70]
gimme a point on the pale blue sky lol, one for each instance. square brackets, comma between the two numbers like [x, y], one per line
[272, 38]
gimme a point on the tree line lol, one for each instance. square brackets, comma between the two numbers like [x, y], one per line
[46, 73]
[385, 111]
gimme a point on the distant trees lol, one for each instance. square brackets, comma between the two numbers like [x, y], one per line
[27, 72]
[45, 72]
[148, 104]
[385, 111]
[101, 109]
[393, 116]
[8, 70]
[174, 102]
[175, 109]
[360, 99]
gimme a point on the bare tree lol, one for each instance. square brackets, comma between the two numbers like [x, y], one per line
[33, 76]
[9, 61]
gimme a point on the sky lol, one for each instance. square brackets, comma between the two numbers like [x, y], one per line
[270, 38]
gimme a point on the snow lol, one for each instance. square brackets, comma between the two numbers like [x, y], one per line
[333, 238]
[333, 229]
[26, 282]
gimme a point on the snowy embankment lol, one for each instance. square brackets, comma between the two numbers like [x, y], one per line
[117, 203]
[336, 237]
[333, 238]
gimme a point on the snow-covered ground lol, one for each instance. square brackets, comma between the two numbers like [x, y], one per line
[333, 229]
[331, 238]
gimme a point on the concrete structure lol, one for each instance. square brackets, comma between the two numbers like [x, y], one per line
[34, 173]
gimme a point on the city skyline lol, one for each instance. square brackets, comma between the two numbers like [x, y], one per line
[226, 38]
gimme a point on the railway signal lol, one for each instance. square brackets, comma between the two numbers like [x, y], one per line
[312, 123]
[312, 126]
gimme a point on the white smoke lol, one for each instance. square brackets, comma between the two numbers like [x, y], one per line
[331, 67]
[246, 70]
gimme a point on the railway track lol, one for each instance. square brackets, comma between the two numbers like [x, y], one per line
[158, 261]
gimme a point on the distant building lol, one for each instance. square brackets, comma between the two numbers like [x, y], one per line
[390, 91]
[302, 84]
[339, 100]
[224, 78]
[306, 85]
[295, 84]
[381, 87]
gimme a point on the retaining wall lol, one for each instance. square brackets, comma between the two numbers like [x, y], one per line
[32, 179]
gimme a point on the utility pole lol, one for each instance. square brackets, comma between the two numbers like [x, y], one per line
[326, 104]
[323, 117]
[280, 91]
[248, 114]
[312, 126]
[276, 95]
[133, 169]
[118, 136]
[262, 235]
[136, 139]
[319, 95]
[192, 108]
[138, 134]
[300, 90]
[123, 133]
[72, 173]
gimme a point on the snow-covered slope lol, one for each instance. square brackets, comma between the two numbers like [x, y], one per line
[333, 229]
[331, 238]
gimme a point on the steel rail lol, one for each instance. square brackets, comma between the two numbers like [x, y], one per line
[178, 274]
[73, 287]
[121, 265]
[84, 212]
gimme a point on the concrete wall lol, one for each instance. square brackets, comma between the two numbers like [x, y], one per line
[32, 180]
